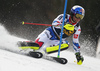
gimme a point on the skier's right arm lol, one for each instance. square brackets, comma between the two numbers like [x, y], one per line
[58, 21]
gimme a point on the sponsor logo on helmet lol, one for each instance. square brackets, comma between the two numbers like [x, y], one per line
[81, 10]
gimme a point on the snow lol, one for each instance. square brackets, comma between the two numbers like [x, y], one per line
[98, 49]
[10, 61]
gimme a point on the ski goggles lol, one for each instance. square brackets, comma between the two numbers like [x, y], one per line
[79, 16]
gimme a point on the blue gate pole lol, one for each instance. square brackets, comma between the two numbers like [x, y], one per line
[62, 28]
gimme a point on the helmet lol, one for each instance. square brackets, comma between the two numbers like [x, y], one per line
[77, 11]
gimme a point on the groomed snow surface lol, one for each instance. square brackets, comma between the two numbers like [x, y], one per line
[10, 61]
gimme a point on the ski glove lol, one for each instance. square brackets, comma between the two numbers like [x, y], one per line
[79, 57]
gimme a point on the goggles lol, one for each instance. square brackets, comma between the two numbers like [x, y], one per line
[79, 16]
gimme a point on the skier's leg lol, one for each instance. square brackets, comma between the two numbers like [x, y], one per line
[43, 40]
[55, 48]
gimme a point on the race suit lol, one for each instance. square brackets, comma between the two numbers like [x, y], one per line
[50, 36]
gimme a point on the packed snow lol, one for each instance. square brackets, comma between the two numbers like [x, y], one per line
[10, 60]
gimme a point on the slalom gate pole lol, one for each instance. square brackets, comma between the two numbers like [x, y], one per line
[62, 28]
[36, 24]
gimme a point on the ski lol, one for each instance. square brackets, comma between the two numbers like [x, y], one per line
[50, 58]
[55, 59]
[28, 45]
[35, 54]
[31, 45]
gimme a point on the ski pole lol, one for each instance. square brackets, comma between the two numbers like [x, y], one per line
[36, 24]
[62, 28]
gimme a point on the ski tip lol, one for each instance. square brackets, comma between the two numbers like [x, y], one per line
[65, 61]
[36, 54]
[61, 60]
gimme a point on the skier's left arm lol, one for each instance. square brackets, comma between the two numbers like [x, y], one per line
[76, 45]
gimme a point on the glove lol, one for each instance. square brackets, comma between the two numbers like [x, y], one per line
[79, 58]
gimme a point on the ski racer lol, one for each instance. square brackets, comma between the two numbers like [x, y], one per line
[49, 39]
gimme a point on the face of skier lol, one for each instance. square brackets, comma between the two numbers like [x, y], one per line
[75, 19]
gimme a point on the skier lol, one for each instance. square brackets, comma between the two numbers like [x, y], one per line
[50, 37]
